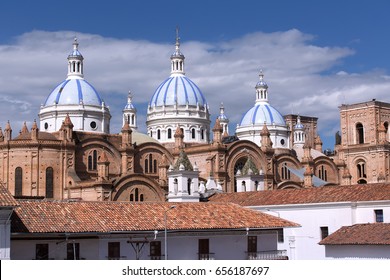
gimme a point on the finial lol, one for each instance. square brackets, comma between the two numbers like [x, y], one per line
[75, 43]
[129, 97]
[177, 37]
[261, 75]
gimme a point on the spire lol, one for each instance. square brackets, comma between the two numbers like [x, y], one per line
[183, 161]
[75, 62]
[34, 131]
[224, 121]
[68, 121]
[130, 112]
[8, 132]
[177, 58]
[24, 128]
[261, 89]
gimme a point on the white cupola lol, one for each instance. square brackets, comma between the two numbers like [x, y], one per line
[130, 113]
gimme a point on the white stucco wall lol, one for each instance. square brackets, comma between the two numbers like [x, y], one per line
[5, 234]
[302, 243]
[364, 252]
[223, 247]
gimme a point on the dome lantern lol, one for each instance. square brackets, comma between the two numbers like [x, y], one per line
[75, 62]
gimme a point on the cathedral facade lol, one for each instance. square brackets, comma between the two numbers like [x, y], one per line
[73, 155]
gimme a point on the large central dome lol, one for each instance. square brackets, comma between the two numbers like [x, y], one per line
[178, 90]
[178, 102]
[74, 91]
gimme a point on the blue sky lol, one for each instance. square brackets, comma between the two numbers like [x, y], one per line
[315, 55]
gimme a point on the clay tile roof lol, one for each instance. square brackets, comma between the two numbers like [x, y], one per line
[368, 192]
[6, 199]
[77, 217]
[360, 234]
[41, 136]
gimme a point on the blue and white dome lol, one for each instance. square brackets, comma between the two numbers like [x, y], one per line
[178, 102]
[74, 91]
[260, 115]
[178, 90]
[76, 98]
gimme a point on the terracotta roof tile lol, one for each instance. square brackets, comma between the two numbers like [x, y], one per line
[50, 217]
[360, 234]
[6, 199]
[368, 192]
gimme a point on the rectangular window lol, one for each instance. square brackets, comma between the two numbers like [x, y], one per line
[280, 235]
[203, 249]
[378, 215]
[252, 244]
[324, 232]
[155, 250]
[42, 251]
[114, 250]
[73, 251]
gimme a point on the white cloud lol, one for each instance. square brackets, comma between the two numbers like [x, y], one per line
[299, 74]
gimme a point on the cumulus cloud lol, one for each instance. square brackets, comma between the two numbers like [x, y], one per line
[303, 78]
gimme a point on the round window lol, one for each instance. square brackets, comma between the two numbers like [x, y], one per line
[93, 125]
[282, 142]
[46, 125]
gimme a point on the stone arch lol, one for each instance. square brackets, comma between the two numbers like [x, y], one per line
[325, 166]
[237, 154]
[289, 185]
[286, 160]
[148, 188]
[98, 144]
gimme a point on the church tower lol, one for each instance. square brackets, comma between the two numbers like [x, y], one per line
[364, 143]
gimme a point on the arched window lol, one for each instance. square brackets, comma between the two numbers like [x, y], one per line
[146, 166]
[202, 134]
[238, 166]
[158, 134]
[150, 164]
[49, 183]
[361, 172]
[18, 181]
[323, 173]
[189, 186]
[169, 133]
[136, 195]
[359, 133]
[193, 133]
[285, 172]
[92, 160]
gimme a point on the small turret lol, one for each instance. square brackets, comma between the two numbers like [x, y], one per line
[7, 132]
[34, 131]
[217, 132]
[179, 138]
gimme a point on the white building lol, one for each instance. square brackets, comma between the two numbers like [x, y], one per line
[320, 211]
[363, 241]
[7, 206]
[123, 230]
